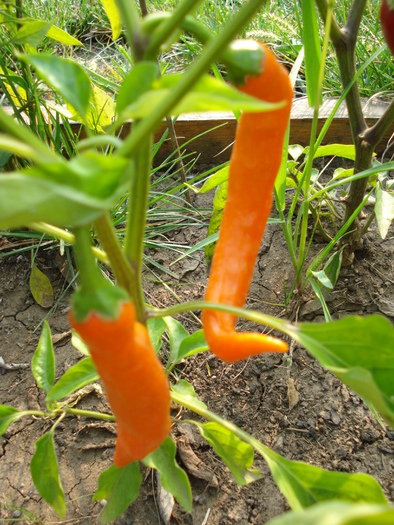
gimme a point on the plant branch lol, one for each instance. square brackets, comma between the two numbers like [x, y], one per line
[373, 135]
[353, 21]
[335, 32]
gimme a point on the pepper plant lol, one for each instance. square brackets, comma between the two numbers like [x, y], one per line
[49, 192]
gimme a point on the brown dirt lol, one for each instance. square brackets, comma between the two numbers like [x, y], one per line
[329, 427]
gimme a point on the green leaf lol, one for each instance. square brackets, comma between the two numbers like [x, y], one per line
[215, 180]
[66, 77]
[114, 17]
[346, 151]
[338, 513]
[40, 287]
[186, 390]
[312, 49]
[208, 94]
[70, 194]
[173, 478]
[156, 328]
[7, 416]
[192, 344]
[76, 377]
[359, 351]
[119, 487]
[237, 454]
[384, 210]
[304, 485]
[32, 32]
[136, 83]
[177, 334]
[55, 33]
[219, 203]
[317, 288]
[43, 364]
[321, 276]
[79, 344]
[45, 473]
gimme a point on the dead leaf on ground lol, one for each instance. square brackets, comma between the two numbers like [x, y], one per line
[292, 394]
[194, 465]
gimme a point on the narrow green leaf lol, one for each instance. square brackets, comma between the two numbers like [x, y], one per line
[237, 454]
[43, 364]
[114, 17]
[177, 333]
[66, 77]
[119, 487]
[7, 416]
[76, 377]
[32, 33]
[136, 83]
[45, 473]
[358, 350]
[338, 513]
[384, 210]
[312, 49]
[215, 180]
[304, 485]
[186, 390]
[219, 203]
[55, 33]
[40, 287]
[317, 288]
[156, 328]
[173, 478]
[209, 94]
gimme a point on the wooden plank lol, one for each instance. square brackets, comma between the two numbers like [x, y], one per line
[212, 134]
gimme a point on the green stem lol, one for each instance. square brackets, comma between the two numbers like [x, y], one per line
[123, 272]
[168, 26]
[88, 413]
[213, 49]
[249, 315]
[68, 237]
[89, 274]
[131, 21]
[138, 204]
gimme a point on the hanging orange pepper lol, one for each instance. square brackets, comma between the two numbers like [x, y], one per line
[134, 380]
[254, 164]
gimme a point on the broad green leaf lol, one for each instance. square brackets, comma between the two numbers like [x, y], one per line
[100, 113]
[114, 17]
[209, 94]
[304, 485]
[7, 416]
[323, 279]
[76, 377]
[63, 37]
[237, 454]
[136, 83]
[342, 173]
[332, 267]
[317, 288]
[295, 151]
[338, 513]
[219, 202]
[359, 351]
[312, 49]
[345, 151]
[66, 77]
[173, 478]
[280, 181]
[177, 333]
[192, 344]
[156, 328]
[43, 363]
[384, 210]
[45, 473]
[186, 390]
[68, 194]
[40, 287]
[4, 158]
[32, 32]
[119, 487]
[215, 180]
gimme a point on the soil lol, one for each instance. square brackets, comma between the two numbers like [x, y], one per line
[330, 426]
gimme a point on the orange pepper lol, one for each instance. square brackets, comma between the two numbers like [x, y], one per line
[255, 161]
